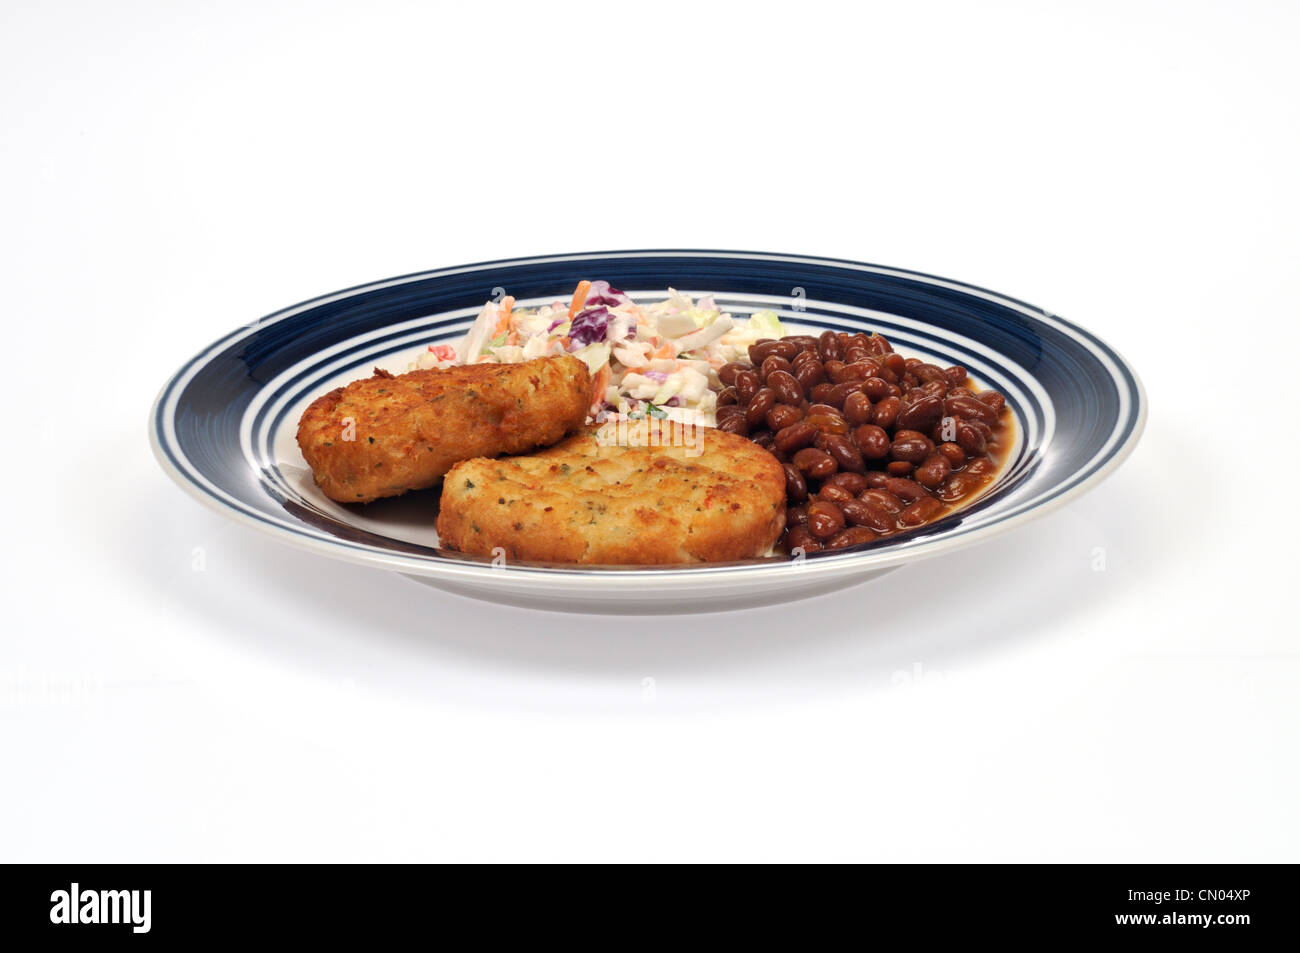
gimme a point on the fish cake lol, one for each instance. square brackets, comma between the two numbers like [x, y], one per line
[699, 496]
[391, 433]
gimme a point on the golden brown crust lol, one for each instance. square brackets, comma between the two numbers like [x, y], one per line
[408, 430]
[584, 501]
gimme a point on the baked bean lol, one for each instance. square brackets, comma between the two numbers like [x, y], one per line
[853, 536]
[885, 413]
[782, 416]
[921, 511]
[930, 372]
[959, 486]
[854, 353]
[825, 519]
[842, 449]
[877, 388]
[802, 341]
[831, 395]
[727, 396]
[727, 372]
[828, 423]
[956, 373]
[883, 499]
[855, 483]
[818, 392]
[895, 364]
[829, 346]
[931, 473]
[801, 539]
[969, 408]
[762, 437]
[835, 494]
[816, 410]
[734, 424]
[922, 414]
[728, 411]
[955, 454]
[834, 370]
[747, 385]
[934, 389]
[773, 363]
[796, 487]
[815, 463]
[981, 466]
[995, 400]
[899, 468]
[876, 479]
[796, 515]
[759, 405]
[795, 437]
[857, 409]
[787, 387]
[909, 491]
[864, 513]
[969, 438]
[810, 373]
[910, 446]
[872, 441]
[835, 396]
[857, 371]
[880, 344]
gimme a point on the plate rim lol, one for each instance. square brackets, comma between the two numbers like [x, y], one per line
[837, 565]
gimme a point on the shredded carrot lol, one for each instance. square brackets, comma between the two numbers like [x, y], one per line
[513, 338]
[503, 317]
[666, 351]
[579, 297]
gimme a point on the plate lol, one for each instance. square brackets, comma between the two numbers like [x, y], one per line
[223, 426]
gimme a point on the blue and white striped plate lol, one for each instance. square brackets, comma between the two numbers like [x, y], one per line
[223, 427]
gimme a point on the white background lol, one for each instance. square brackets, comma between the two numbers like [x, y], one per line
[169, 171]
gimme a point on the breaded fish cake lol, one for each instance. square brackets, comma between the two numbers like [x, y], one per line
[388, 434]
[586, 501]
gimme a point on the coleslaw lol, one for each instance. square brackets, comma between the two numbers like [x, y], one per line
[657, 360]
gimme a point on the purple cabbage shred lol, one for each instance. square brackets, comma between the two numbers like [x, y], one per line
[589, 326]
